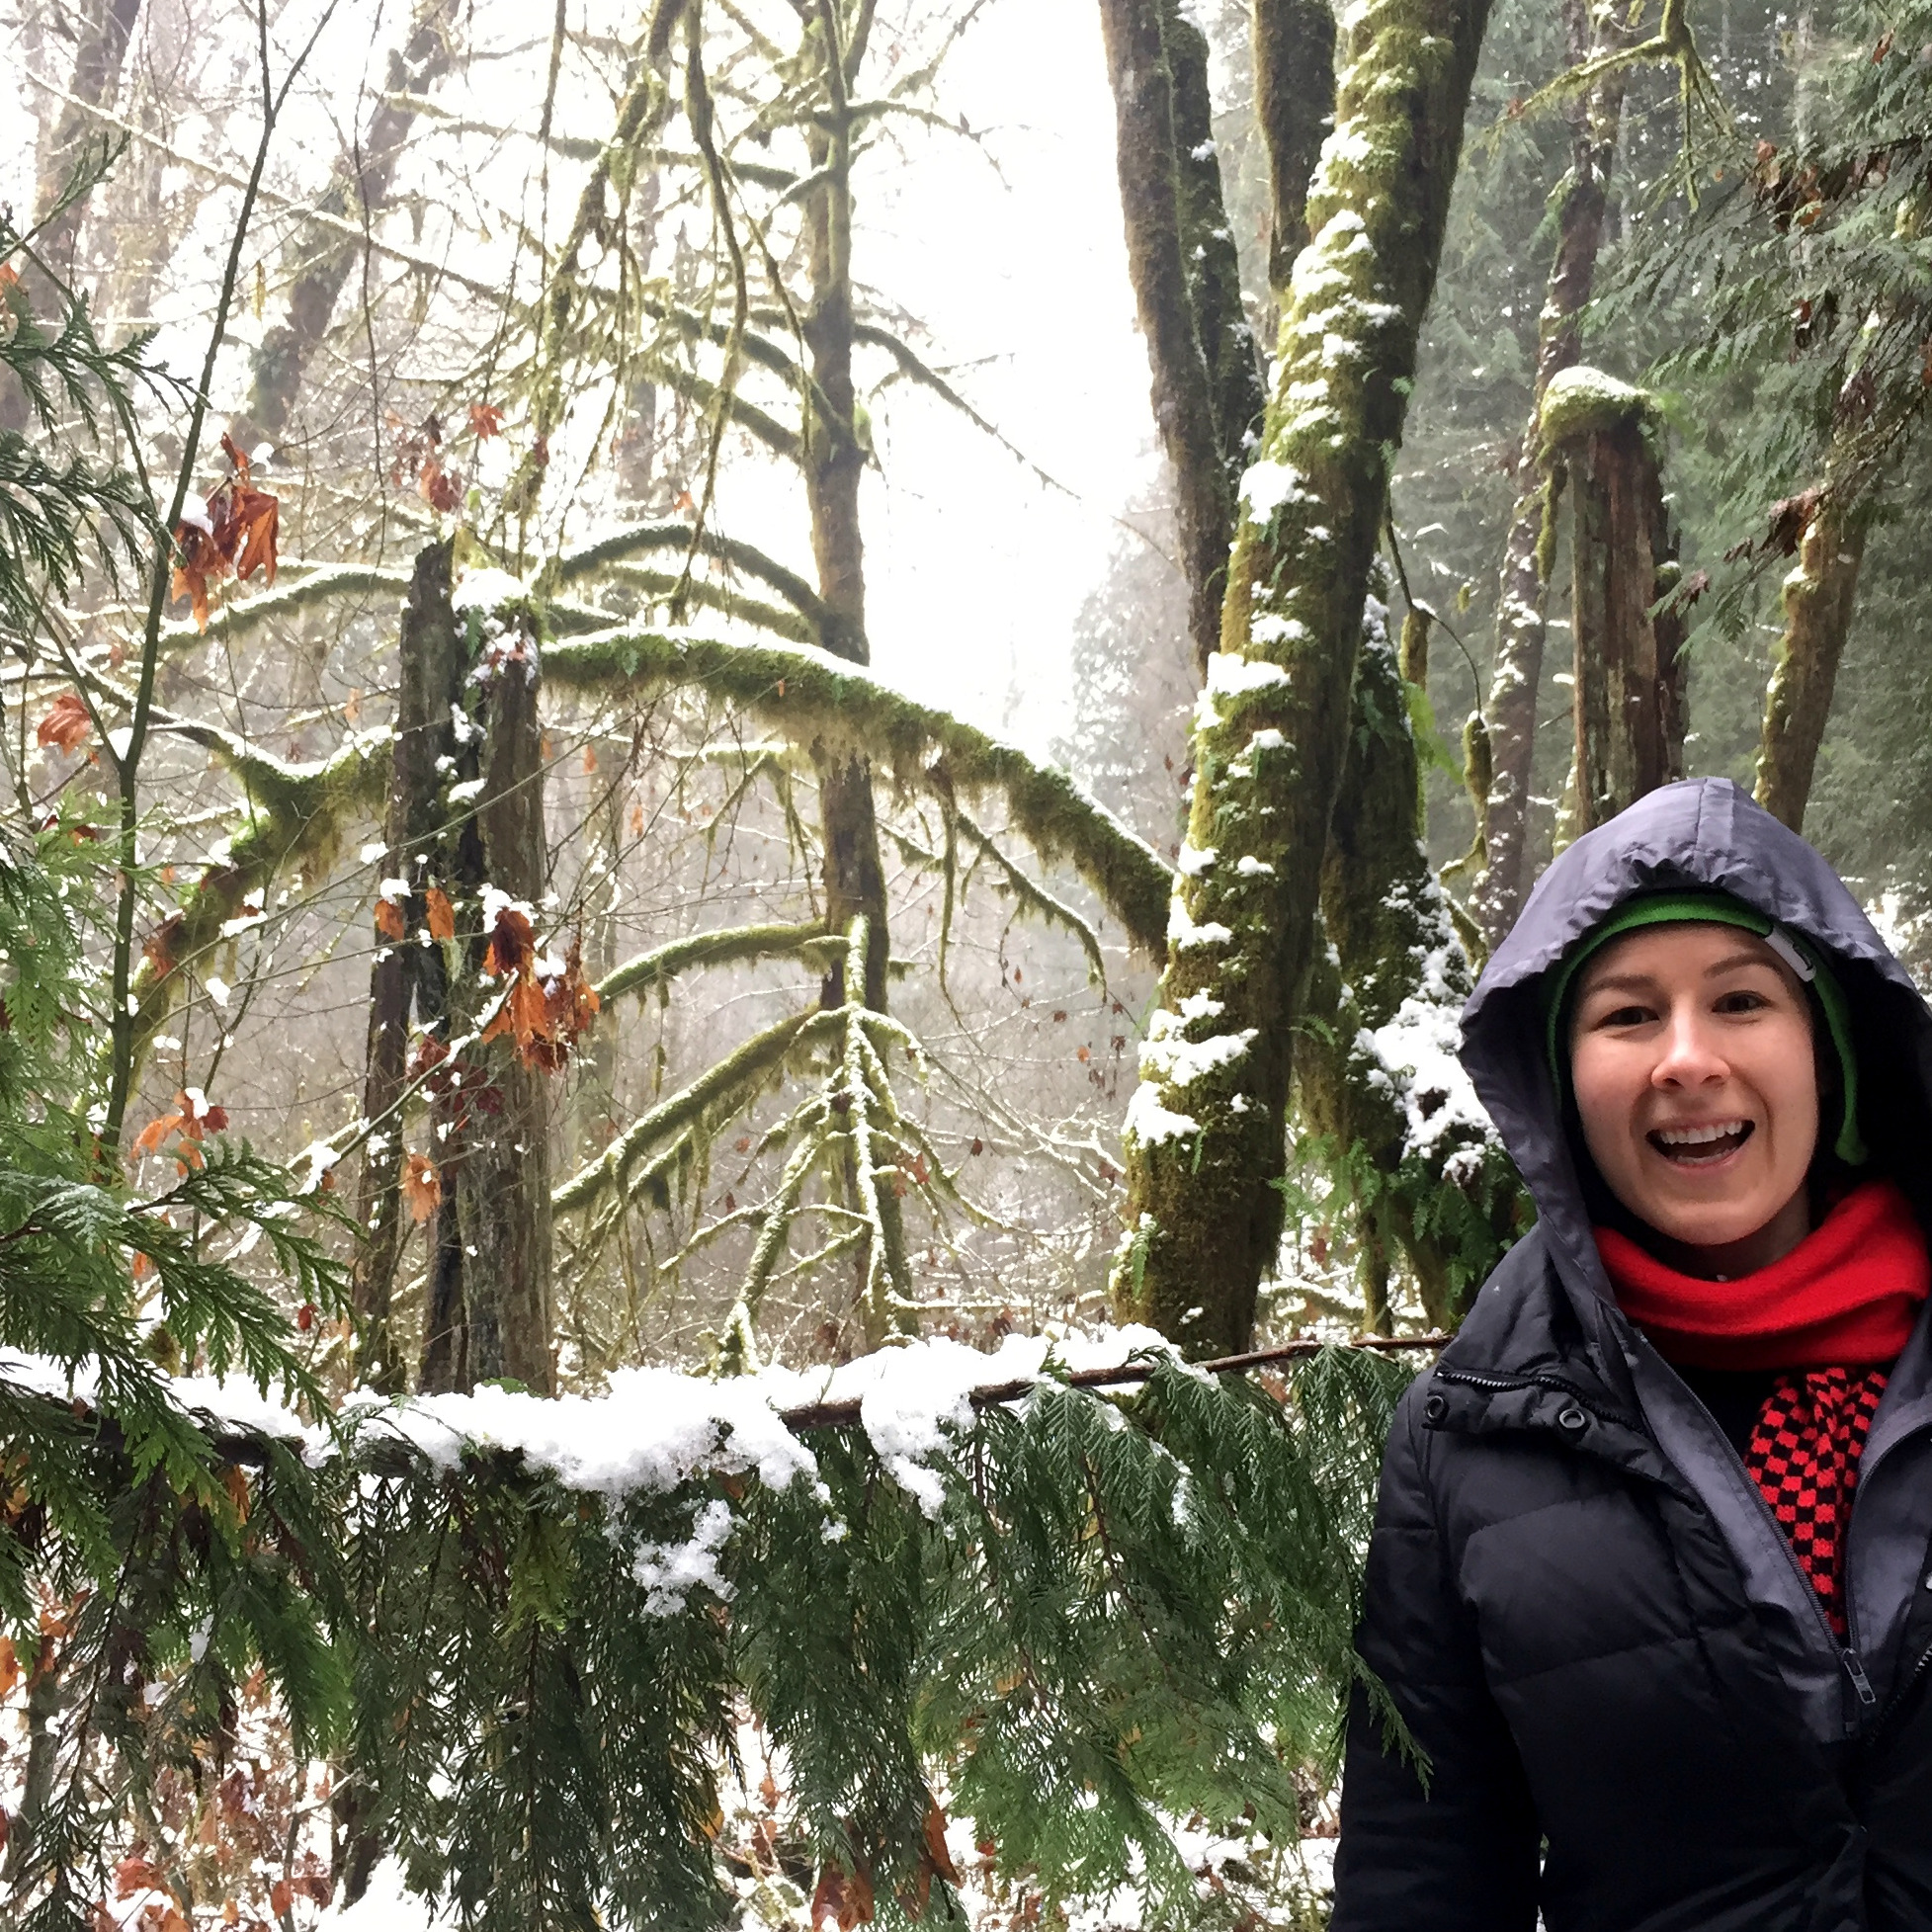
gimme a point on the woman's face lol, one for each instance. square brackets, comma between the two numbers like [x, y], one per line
[1692, 1061]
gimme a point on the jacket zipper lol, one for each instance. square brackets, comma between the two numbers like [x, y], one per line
[1557, 1383]
[1852, 1664]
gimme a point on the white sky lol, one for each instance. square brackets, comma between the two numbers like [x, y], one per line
[975, 570]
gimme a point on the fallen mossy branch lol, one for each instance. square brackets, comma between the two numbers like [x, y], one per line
[820, 701]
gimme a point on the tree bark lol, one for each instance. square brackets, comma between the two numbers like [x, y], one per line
[1629, 667]
[1204, 396]
[503, 1202]
[1293, 101]
[405, 976]
[1818, 599]
[360, 185]
[1517, 666]
[1205, 1130]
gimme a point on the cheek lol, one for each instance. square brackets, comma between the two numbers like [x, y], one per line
[1607, 1084]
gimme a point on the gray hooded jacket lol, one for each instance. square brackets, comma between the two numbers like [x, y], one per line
[1591, 1622]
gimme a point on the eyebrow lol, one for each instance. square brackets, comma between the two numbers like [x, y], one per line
[1629, 981]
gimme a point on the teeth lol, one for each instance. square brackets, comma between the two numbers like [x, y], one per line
[1697, 1137]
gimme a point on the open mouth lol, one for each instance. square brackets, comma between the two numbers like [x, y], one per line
[1700, 1146]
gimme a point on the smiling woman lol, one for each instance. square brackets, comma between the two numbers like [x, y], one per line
[1669, 1491]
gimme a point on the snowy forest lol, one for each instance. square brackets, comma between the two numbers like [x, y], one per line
[755, 751]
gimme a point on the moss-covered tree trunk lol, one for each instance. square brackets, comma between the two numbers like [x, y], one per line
[406, 976]
[1205, 1129]
[1629, 666]
[1293, 101]
[1516, 672]
[359, 187]
[1181, 260]
[1818, 598]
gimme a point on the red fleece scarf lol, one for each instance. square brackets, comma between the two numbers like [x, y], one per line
[1847, 1294]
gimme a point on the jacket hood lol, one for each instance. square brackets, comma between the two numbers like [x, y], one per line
[1700, 832]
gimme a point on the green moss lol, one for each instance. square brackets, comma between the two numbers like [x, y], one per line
[827, 706]
[1583, 402]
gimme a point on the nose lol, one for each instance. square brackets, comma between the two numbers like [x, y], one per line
[1690, 1056]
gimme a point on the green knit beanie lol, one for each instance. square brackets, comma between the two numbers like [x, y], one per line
[1715, 908]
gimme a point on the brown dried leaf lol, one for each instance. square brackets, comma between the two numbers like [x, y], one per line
[439, 914]
[67, 723]
[422, 1187]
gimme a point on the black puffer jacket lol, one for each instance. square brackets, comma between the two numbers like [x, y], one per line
[1635, 1716]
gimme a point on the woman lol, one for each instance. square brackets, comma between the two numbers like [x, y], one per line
[1648, 1585]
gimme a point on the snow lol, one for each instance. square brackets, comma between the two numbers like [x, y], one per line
[1168, 1055]
[670, 1572]
[1266, 485]
[1148, 1122]
[486, 590]
[1192, 862]
[1183, 931]
[1231, 675]
[1417, 1052]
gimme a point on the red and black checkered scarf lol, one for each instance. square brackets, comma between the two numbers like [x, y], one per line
[1829, 1320]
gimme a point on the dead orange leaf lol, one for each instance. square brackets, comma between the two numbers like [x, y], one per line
[422, 1186]
[67, 723]
[439, 914]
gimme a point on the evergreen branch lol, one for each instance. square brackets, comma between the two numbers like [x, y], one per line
[843, 1414]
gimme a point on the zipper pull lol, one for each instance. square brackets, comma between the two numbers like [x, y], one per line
[1861, 1683]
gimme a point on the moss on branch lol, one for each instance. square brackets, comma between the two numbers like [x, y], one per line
[728, 1084]
[824, 704]
[296, 815]
[730, 945]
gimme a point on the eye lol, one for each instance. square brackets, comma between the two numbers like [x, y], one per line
[1627, 1015]
[1742, 1000]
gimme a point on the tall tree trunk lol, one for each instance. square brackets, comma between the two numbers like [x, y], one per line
[1293, 101]
[359, 187]
[503, 1202]
[1205, 1129]
[1517, 667]
[835, 463]
[1207, 389]
[1819, 600]
[1629, 667]
[405, 975]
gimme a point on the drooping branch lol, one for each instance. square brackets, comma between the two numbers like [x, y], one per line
[815, 699]
[727, 1085]
[645, 539]
[297, 815]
